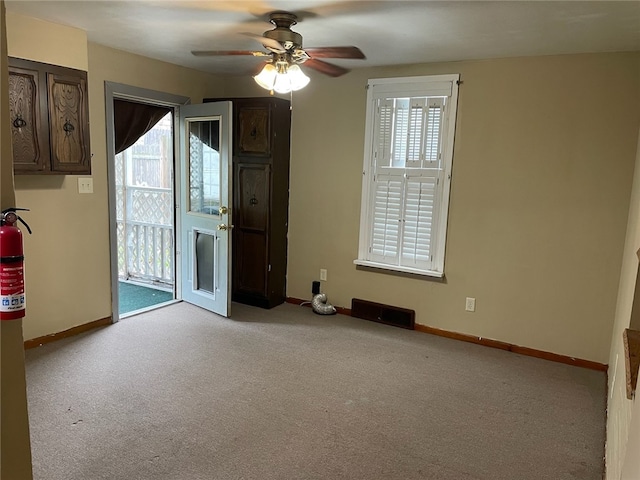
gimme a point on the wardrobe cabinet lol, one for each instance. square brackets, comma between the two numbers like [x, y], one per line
[49, 118]
[261, 139]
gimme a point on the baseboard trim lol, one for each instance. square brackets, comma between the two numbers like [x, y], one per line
[37, 342]
[531, 352]
[487, 342]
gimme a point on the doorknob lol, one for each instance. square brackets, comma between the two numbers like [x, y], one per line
[222, 226]
[223, 210]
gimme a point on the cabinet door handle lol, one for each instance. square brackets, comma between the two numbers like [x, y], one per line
[68, 127]
[19, 122]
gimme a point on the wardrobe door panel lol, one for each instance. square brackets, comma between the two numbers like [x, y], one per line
[253, 131]
[250, 266]
[252, 196]
[251, 228]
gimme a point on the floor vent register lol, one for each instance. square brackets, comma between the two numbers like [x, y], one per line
[387, 314]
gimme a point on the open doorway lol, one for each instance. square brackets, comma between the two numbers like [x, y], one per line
[144, 218]
[142, 149]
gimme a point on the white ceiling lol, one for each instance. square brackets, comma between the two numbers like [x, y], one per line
[388, 32]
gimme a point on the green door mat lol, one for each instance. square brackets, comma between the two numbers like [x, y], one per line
[135, 297]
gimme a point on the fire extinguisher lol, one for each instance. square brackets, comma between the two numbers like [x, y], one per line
[12, 299]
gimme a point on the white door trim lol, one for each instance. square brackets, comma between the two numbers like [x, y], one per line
[142, 95]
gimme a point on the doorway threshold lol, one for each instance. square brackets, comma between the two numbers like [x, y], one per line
[136, 298]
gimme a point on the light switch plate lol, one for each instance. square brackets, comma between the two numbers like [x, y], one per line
[85, 185]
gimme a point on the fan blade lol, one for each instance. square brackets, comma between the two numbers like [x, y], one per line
[326, 68]
[213, 53]
[335, 52]
[269, 43]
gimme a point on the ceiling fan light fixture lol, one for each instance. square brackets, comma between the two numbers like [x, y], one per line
[282, 77]
[284, 49]
[298, 79]
[267, 77]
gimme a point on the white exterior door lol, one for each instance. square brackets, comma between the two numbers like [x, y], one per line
[205, 205]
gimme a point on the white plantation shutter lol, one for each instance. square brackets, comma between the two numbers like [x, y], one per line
[418, 221]
[404, 197]
[384, 120]
[404, 218]
[385, 238]
[415, 133]
[400, 130]
[406, 175]
[432, 138]
[408, 132]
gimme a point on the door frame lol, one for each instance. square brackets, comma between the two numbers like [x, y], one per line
[120, 91]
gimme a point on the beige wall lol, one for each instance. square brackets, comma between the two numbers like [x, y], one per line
[67, 257]
[542, 169]
[46, 42]
[15, 448]
[619, 408]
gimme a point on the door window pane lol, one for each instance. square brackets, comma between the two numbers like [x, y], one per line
[205, 258]
[204, 166]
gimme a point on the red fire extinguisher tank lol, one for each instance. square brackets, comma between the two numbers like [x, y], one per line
[12, 297]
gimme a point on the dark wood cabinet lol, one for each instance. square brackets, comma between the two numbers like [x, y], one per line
[49, 118]
[261, 140]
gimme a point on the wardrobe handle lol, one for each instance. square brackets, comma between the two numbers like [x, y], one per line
[19, 122]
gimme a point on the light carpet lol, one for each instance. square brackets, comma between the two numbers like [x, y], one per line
[182, 394]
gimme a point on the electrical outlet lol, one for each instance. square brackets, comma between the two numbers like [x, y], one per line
[85, 185]
[470, 304]
[323, 274]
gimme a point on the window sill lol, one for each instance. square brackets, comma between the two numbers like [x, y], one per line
[396, 268]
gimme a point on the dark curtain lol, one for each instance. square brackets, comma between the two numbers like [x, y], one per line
[208, 131]
[132, 120]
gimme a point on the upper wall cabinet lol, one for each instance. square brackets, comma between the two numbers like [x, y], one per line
[49, 119]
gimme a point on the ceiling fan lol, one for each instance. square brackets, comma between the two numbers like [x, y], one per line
[284, 54]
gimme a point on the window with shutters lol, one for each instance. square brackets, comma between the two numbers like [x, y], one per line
[409, 137]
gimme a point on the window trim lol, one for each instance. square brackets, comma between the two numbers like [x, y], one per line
[431, 85]
[399, 268]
